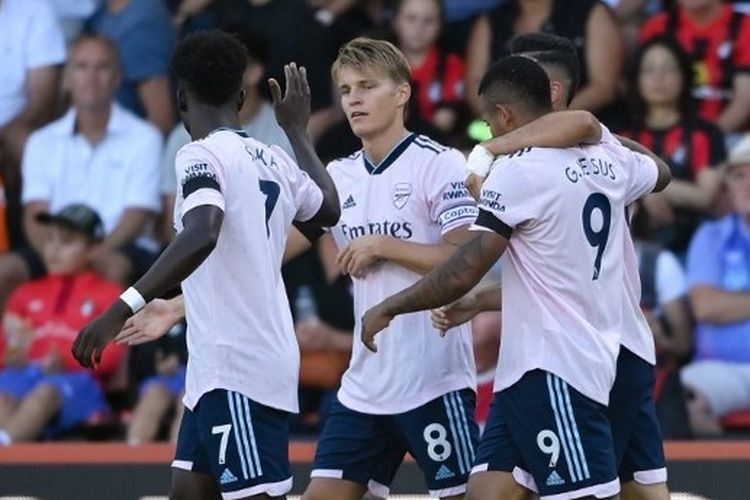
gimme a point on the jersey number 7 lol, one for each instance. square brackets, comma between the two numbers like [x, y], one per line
[271, 190]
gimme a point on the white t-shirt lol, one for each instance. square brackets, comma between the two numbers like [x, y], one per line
[30, 38]
[563, 277]
[121, 171]
[240, 333]
[415, 194]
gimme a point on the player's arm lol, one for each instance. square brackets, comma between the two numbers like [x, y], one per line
[665, 173]
[152, 322]
[420, 258]
[181, 257]
[441, 286]
[293, 114]
[464, 309]
[561, 129]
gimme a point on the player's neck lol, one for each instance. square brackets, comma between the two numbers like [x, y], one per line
[206, 119]
[662, 117]
[705, 15]
[378, 146]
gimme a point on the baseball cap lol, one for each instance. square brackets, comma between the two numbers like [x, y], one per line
[740, 153]
[77, 217]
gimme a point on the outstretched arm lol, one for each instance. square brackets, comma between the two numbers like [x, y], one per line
[441, 286]
[188, 250]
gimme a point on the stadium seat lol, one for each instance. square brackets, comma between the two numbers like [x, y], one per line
[736, 420]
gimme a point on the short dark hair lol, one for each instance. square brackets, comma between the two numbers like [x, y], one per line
[551, 50]
[637, 104]
[211, 64]
[517, 80]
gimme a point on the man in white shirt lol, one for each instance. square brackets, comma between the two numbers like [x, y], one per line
[88, 156]
[561, 330]
[237, 200]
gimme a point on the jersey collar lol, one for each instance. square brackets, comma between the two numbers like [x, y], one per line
[391, 157]
[237, 131]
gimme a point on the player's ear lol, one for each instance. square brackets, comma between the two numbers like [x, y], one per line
[404, 93]
[241, 99]
[557, 91]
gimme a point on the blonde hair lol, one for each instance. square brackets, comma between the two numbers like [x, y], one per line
[365, 53]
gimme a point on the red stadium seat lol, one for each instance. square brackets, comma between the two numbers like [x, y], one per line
[737, 420]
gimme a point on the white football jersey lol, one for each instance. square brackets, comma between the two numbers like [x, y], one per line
[563, 294]
[240, 334]
[636, 334]
[415, 194]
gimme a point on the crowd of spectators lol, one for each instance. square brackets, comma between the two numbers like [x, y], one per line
[88, 137]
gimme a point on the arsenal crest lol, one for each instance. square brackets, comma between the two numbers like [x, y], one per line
[401, 193]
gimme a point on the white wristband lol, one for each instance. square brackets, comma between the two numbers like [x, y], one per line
[479, 161]
[133, 299]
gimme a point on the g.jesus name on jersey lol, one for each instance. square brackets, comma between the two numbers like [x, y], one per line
[415, 194]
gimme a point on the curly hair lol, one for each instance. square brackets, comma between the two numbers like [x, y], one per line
[211, 64]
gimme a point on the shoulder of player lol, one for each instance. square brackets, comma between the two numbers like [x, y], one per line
[428, 145]
[344, 163]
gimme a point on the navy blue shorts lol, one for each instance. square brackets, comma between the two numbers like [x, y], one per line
[635, 424]
[553, 439]
[243, 444]
[368, 449]
[81, 395]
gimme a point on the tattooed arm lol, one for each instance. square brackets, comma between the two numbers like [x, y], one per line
[443, 285]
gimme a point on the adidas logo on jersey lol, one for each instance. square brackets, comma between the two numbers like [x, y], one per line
[227, 477]
[349, 203]
[554, 479]
[444, 473]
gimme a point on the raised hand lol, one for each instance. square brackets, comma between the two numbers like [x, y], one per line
[293, 109]
[150, 323]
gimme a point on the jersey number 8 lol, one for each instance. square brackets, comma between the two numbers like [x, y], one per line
[438, 447]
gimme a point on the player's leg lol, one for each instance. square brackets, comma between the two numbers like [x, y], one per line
[442, 436]
[189, 485]
[495, 485]
[356, 453]
[635, 429]
[497, 458]
[154, 402]
[564, 438]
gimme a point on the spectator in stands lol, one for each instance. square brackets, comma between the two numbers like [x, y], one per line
[437, 76]
[160, 393]
[73, 14]
[588, 23]
[718, 38]
[719, 281]
[33, 47]
[257, 116]
[98, 154]
[43, 390]
[665, 119]
[144, 33]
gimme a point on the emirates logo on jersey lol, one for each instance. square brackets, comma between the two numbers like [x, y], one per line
[401, 194]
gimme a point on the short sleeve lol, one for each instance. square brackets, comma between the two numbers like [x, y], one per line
[200, 180]
[35, 170]
[608, 138]
[508, 198]
[308, 197]
[449, 202]
[671, 283]
[642, 176]
[45, 42]
[703, 267]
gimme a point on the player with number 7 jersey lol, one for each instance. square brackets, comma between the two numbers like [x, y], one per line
[235, 204]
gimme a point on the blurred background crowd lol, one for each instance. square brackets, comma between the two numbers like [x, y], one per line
[89, 133]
